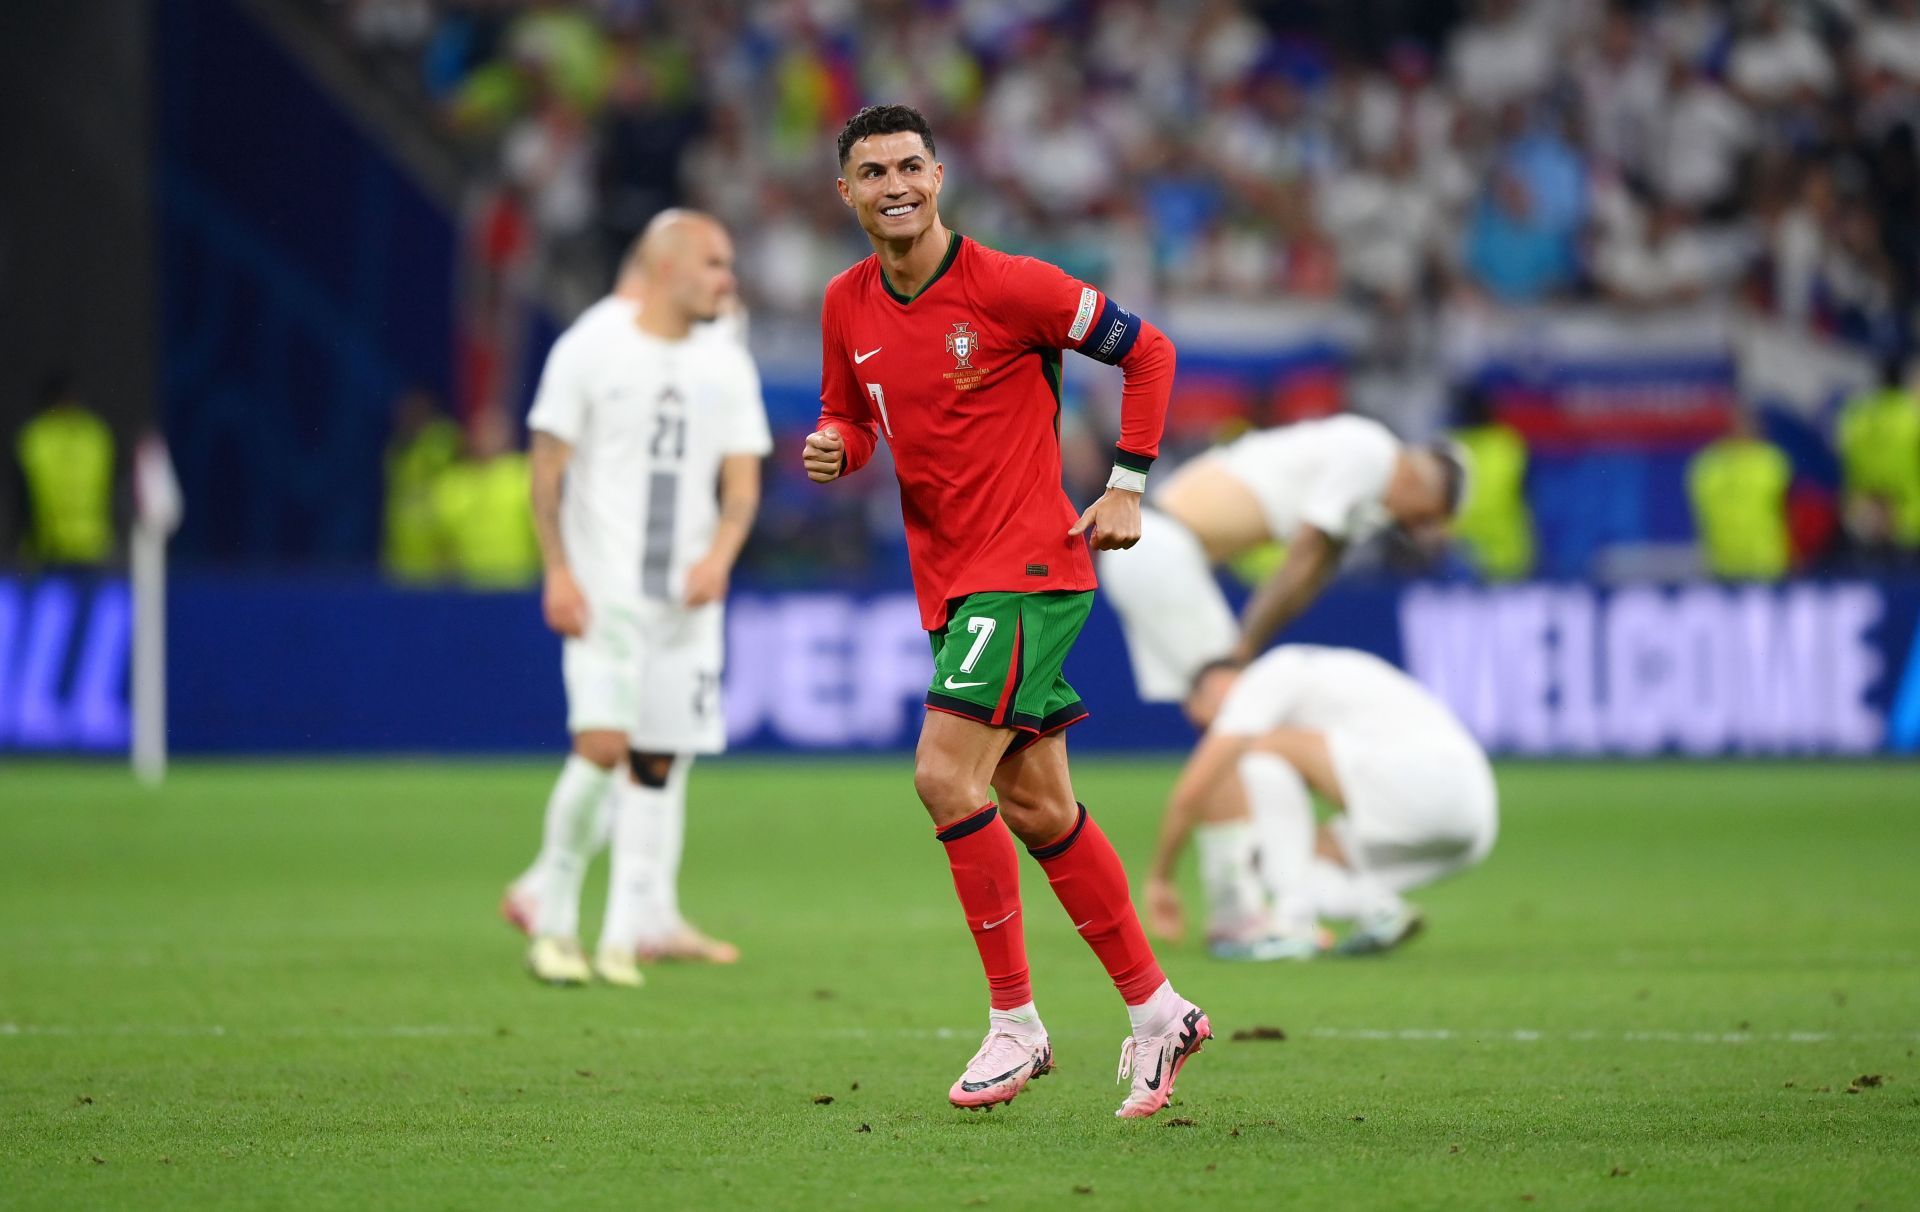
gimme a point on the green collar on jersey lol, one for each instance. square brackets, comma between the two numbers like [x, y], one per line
[953, 250]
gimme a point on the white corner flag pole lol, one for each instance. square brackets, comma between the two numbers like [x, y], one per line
[156, 497]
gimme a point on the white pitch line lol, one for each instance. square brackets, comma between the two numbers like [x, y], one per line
[1499, 1035]
[1523, 1036]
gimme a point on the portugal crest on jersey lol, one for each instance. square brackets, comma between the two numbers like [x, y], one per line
[962, 343]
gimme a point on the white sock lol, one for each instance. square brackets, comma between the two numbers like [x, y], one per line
[1023, 1021]
[1346, 895]
[569, 838]
[637, 812]
[663, 914]
[1234, 893]
[1283, 824]
[1154, 1015]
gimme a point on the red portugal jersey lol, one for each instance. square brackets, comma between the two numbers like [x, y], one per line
[963, 381]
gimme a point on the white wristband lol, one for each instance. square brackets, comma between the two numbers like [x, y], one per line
[1127, 478]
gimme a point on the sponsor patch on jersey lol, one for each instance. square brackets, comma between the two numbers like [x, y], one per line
[1083, 318]
[963, 343]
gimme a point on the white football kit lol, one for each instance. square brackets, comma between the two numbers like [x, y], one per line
[1329, 474]
[1419, 795]
[650, 421]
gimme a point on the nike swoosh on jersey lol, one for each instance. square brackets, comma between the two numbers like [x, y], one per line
[1003, 921]
[861, 357]
[953, 685]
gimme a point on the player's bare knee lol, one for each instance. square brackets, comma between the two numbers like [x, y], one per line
[945, 787]
[650, 769]
[1038, 824]
[604, 749]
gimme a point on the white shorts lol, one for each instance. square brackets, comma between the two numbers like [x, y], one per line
[1171, 609]
[1416, 810]
[652, 671]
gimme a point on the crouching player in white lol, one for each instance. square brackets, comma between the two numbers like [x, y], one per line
[643, 407]
[1413, 798]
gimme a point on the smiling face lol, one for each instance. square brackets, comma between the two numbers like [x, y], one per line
[892, 182]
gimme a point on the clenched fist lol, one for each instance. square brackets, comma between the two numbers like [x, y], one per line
[825, 456]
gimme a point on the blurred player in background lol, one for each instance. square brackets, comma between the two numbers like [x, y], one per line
[644, 407]
[1413, 795]
[1317, 486]
[953, 350]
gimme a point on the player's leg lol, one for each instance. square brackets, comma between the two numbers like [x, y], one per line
[965, 733]
[1281, 812]
[1337, 894]
[1086, 874]
[1294, 865]
[680, 716]
[1233, 837]
[639, 819]
[1171, 610]
[690, 671]
[952, 766]
[1228, 844]
[951, 771]
[643, 921]
[663, 920]
[573, 825]
[1082, 868]
[545, 900]
[1416, 814]
[1090, 881]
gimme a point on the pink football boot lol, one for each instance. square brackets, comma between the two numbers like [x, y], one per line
[1154, 1062]
[1000, 1070]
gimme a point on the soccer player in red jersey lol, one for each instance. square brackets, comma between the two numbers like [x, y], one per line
[952, 352]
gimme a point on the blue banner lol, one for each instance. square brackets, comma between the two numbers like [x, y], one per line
[64, 644]
[1547, 669]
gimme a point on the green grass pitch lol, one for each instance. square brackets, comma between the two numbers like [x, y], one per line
[284, 986]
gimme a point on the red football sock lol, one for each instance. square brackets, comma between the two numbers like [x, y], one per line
[986, 874]
[1091, 883]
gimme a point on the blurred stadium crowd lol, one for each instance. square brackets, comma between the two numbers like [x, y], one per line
[1412, 161]
[1508, 151]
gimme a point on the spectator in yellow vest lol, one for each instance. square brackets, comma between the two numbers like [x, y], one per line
[1738, 486]
[424, 444]
[1495, 525]
[66, 467]
[1879, 439]
[483, 505]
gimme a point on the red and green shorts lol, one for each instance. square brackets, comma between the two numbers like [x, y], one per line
[999, 660]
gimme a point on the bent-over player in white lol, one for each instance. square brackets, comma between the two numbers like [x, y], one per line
[645, 405]
[1413, 796]
[1317, 486]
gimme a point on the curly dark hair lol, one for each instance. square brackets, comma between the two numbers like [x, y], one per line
[883, 120]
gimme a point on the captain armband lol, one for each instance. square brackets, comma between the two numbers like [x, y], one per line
[1111, 336]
